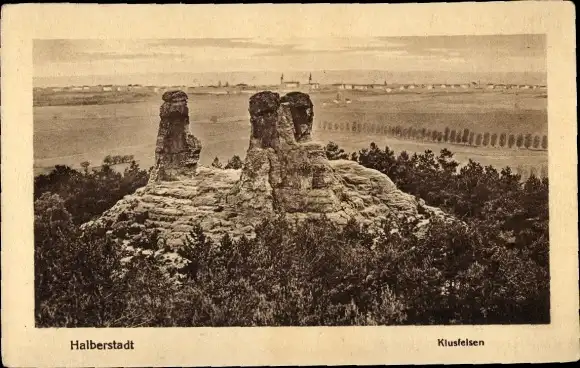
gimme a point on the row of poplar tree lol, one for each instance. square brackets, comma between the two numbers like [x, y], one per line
[465, 136]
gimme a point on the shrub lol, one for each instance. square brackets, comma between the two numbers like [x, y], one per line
[333, 152]
[88, 194]
[234, 163]
[216, 163]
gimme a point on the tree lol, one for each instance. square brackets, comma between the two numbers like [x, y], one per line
[465, 137]
[478, 139]
[235, 163]
[446, 134]
[502, 140]
[545, 142]
[51, 217]
[511, 141]
[333, 152]
[536, 141]
[493, 139]
[485, 139]
[434, 135]
[216, 163]
[108, 160]
[528, 140]
[452, 136]
[85, 165]
[471, 138]
[520, 141]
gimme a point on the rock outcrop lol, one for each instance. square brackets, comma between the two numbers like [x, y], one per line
[285, 172]
[176, 151]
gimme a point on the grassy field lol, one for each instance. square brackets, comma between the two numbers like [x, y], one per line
[70, 134]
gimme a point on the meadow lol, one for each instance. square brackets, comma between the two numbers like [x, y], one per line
[127, 125]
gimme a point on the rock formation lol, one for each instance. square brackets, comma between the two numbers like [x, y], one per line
[176, 151]
[285, 172]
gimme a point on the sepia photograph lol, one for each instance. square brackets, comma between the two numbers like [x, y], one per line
[291, 182]
[363, 184]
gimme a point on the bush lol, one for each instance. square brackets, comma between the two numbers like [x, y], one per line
[88, 194]
[333, 152]
[234, 163]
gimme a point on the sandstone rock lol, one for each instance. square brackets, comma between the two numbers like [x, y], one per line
[177, 151]
[302, 111]
[285, 173]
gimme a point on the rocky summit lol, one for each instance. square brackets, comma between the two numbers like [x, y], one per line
[285, 173]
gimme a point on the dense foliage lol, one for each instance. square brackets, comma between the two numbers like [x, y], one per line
[491, 268]
[88, 194]
[516, 211]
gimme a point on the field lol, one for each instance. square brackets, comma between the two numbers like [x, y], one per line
[70, 134]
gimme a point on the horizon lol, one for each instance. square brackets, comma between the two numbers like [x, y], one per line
[262, 60]
[271, 78]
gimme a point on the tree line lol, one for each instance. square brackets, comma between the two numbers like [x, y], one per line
[114, 160]
[453, 136]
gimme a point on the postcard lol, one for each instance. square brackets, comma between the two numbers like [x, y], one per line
[221, 185]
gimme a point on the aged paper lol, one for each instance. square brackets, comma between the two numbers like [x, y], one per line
[181, 89]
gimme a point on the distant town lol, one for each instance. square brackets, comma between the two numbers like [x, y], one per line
[287, 85]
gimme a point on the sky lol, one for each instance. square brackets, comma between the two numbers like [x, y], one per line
[70, 59]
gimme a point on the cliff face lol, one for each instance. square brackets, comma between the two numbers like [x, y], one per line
[284, 173]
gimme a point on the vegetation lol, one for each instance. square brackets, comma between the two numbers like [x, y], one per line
[490, 268]
[464, 137]
[88, 194]
[216, 163]
[333, 152]
[234, 163]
